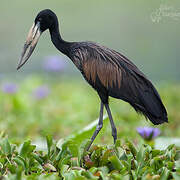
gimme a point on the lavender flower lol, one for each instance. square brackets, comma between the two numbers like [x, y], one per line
[41, 92]
[54, 63]
[148, 133]
[9, 88]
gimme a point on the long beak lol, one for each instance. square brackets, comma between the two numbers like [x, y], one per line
[30, 44]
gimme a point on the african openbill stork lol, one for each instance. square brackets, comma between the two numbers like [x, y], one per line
[107, 71]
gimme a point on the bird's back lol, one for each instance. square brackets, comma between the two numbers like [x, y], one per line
[112, 74]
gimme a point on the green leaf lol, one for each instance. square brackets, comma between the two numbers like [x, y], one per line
[116, 162]
[82, 150]
[134, 175]
[132, 148]
[165, 174]
[6, 147]
[70, 145]
[64, 160]
[158, 163]
[12, 168]
[155, 152]
[64, 169]
[170, 165]
[49, 143]
[177, 155]
[1, 165]
[26, 148]
[105, 156]
[93, 170]
[140, 155]
[18, 173]
[129, 161]
[49, 167]
[104, 170]
[118, 143]
[74, 162]
[89, 175]
[37, 158]
[170, 147]
[19, 161]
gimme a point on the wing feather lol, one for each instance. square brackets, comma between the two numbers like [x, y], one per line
[97, 62]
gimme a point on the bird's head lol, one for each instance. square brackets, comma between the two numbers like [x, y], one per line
[46, 19]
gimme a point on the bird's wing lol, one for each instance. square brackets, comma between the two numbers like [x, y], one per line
[109, 66]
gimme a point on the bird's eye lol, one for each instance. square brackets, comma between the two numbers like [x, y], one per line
[40, 19]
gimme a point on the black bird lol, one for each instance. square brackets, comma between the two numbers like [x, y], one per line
[107, 71]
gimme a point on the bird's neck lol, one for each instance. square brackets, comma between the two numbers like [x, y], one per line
[58, 42]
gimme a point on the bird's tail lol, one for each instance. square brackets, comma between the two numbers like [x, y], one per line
[151, 106]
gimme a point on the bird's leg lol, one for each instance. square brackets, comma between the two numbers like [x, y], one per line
[113, 127]
[99, 126]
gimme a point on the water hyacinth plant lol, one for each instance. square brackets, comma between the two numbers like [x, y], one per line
[54, 63]
[68, 161]
[148, 133]
[41, 92]
[9, 88]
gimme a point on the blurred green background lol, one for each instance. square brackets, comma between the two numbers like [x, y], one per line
[125, 26]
